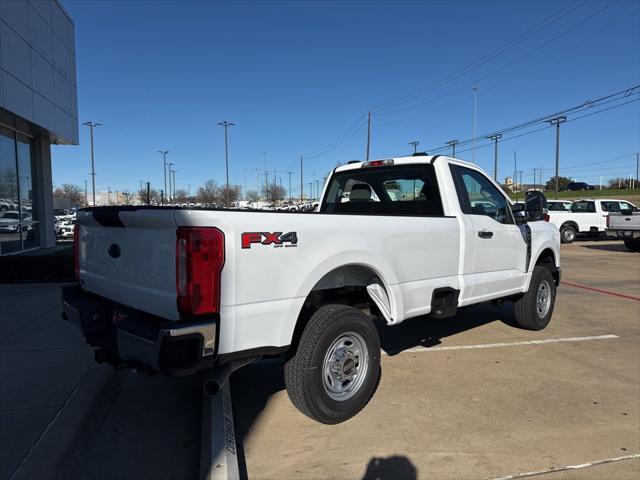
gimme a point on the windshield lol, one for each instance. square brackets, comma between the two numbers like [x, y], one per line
[396, 190]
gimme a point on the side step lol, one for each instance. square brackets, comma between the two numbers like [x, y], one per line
[444, 302]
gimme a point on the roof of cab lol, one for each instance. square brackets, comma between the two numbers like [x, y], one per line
[414, 159]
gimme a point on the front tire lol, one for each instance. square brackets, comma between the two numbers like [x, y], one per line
[568, 234]
[533, 310]
[336, 367]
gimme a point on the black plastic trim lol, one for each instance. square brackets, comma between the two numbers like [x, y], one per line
[252, 352]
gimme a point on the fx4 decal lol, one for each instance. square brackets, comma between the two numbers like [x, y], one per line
[277, 239]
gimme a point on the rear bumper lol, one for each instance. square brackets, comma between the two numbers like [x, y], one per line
[623, 234]
[129, 338]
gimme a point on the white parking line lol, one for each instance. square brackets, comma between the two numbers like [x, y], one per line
[508, 344]
[220, 442]
[568, 467]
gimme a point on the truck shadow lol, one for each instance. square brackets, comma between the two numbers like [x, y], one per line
[427, 332]
[609, 247]
[252, 386]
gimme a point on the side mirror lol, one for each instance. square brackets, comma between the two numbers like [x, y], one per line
[535, 206]
[519, 213]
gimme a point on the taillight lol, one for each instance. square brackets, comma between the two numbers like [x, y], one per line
[76, 251]
[378, 163]
[199, 262]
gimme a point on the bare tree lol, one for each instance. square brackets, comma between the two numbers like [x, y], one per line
[273, 191]
[209, 193]
[619, 182]
[234, 194]
[71, 192]
[181, 196]
[252, 196]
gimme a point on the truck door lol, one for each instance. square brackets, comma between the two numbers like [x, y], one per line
[499, 245]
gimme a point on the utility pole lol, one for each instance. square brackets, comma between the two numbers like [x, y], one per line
[289, 185]
[368, 135]
[301, 188]
[415, 144]
[245, 184]
[515, 174]
[226, 125]
[317, 189]
[148, 193]
[637, 167]
[266, 186]
[91, 126]
[310, 190]
[557, 121]
[535, 185]
[453, 144]
[495, 138]
[521, 185]
[164, 171]
[86, 198]
[475, 120]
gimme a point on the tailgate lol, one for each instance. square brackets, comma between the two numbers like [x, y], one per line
[128, 255]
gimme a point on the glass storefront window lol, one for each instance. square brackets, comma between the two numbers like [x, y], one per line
[18, 225]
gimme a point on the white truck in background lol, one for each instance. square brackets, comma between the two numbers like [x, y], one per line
[587, 216]
[625, 226]
[178, 291]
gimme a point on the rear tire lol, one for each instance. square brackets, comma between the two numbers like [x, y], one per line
[336, 367]
[568, 234]
[533, 310]
[633, 245]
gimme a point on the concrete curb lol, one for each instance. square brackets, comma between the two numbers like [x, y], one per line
[54, 453]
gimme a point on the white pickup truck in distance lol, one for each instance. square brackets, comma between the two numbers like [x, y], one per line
[587, 216]
[625, 226]
[178, 290]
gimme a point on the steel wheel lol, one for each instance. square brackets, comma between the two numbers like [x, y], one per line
[345, 366]
[543, 299]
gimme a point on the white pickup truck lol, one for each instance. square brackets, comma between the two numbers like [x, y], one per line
[588, 216]
[179, 290]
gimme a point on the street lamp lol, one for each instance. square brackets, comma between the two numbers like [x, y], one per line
[475, 120]
[164, 171]
[226, 125]
[91, 126]
[169, 194]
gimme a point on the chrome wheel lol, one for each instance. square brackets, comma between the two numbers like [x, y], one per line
[543, 299]
[345, 366]
[569, 235]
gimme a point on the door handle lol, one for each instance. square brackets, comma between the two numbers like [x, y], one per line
[485, 234]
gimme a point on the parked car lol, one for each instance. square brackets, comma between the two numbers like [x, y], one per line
[579, 187]
[587, 216]
[179, 291]
[625, 226]
[11, 221]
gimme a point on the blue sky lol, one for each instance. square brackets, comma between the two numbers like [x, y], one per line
[294, 76]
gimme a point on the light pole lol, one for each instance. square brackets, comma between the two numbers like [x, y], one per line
[415, 144]
[495, 138]
[226, 125]
[174, 185]
[91, 126]
[557, 121]
[452, 144]
[475, 120]
[169, 194]
[164, 172]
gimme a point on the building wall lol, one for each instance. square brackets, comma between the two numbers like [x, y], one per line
[38, 66]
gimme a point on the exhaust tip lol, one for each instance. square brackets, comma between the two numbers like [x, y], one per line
[211, 387]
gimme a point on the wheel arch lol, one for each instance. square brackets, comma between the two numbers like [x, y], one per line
[570, 223]
[547, 259]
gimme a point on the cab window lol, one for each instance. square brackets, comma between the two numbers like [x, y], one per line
[479, 196]
[584, 206]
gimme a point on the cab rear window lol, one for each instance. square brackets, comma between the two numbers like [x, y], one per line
[583, 206]
[410, 190]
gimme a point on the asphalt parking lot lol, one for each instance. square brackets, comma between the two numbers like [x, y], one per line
[500, 408]
[469, 397]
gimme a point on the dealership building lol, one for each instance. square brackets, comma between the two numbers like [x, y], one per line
[38, 108]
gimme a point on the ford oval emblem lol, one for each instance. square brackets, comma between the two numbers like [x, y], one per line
[114, 250]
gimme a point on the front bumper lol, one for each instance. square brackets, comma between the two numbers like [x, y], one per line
[128, 338]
